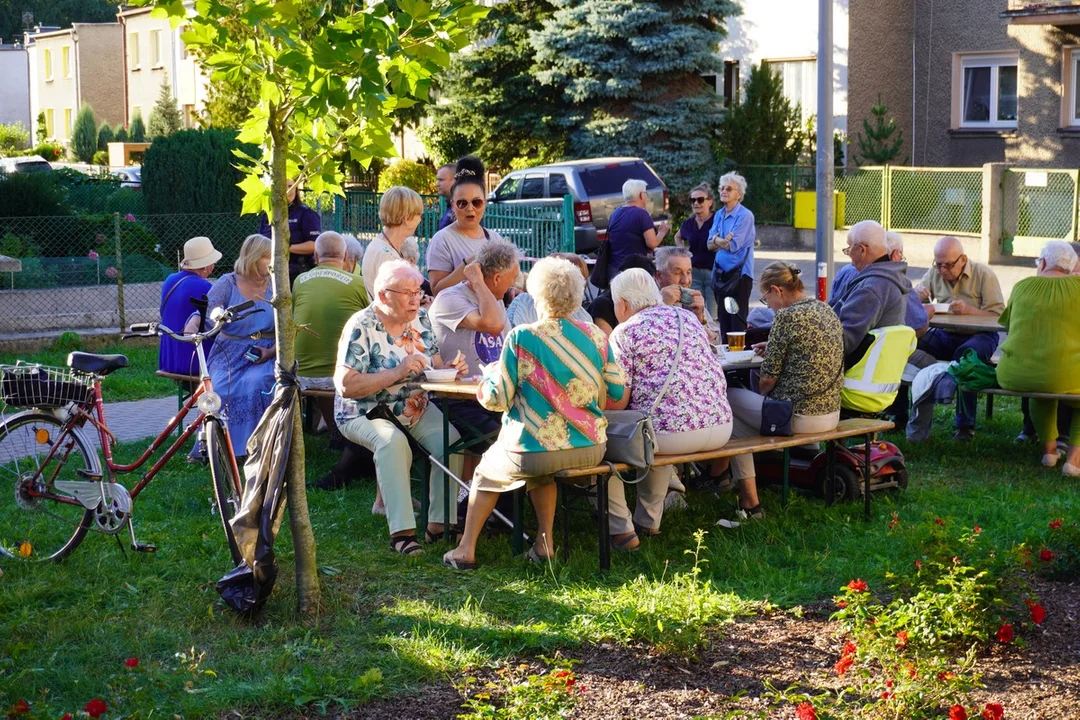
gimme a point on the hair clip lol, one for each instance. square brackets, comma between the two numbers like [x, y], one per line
[796, 271]
[463, 173]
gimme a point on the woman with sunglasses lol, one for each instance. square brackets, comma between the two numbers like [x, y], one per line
[453, 247]
[694, 234]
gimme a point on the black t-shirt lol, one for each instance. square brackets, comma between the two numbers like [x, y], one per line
[603, 308]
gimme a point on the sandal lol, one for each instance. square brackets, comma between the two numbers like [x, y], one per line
[645, 532]
[406, 545]
[450, 561]
[536, 558]
[430, 537]
[624, 545]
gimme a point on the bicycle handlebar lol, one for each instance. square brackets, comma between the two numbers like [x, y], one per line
[220, 316]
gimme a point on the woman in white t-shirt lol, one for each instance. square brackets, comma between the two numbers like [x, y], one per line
[453, 247]
[400, 211]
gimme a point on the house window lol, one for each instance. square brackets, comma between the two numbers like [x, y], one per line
[731, 82]
[65, 61]
[134, 61]
[67, 122]
[155, 48]
[189, 116]
[798, 78]
[50, 123]
[988, 91]
[184, 54]
[48, 65]
[1072, 87]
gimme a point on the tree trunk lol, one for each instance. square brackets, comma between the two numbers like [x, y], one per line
[307, 579]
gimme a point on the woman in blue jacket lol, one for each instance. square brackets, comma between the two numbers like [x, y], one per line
[732, 237]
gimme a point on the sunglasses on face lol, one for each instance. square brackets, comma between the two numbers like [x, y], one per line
[462, 204]
[698, 200]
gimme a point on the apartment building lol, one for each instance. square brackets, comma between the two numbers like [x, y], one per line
[72, 66]
[15, 89]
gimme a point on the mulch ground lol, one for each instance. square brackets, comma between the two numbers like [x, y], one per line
[1038, 682]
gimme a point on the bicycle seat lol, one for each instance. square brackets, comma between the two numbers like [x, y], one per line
[97, 364]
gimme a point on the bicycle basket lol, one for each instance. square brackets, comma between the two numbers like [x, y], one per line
[43, 386]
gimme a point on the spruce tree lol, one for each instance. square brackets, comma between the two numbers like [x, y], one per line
[121, 134]
[84, 135]
[137, 133]
[763, 128]
[876, 144]
[165, 117]
[630, 76]
[228, 103]
[105, 136]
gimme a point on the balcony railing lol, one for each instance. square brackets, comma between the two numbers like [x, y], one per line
[1042, 12]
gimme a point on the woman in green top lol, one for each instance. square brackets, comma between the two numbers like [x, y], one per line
[552, 381]
[1042, 348]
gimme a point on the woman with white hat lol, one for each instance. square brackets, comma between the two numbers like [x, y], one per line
[176, 309]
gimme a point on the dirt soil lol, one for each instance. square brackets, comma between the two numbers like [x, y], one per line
[1039, 682]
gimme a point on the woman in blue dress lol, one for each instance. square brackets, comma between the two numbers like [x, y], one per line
[244, 384]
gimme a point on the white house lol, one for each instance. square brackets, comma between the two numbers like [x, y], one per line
[15, 89]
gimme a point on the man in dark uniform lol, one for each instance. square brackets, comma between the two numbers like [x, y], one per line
[444, 180]
[304, 226]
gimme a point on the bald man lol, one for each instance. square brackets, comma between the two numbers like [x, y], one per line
[969, 288]
[876, 296]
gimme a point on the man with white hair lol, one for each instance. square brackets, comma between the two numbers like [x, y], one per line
[324, 298]
[674, 276]
[969, 288]
[876, 296]
[354, 254]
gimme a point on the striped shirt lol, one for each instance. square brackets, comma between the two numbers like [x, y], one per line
[552, 382]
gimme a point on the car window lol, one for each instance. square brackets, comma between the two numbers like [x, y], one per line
[32, 166]
[509, 189]
[533, 187]
[557, 186]
[609, 179]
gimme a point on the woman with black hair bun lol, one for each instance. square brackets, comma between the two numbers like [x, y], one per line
[467, 162]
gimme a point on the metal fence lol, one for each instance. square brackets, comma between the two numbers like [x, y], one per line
[1039, 205]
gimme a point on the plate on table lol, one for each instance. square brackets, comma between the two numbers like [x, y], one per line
[444, 375]
[941, 308]
[738, 356]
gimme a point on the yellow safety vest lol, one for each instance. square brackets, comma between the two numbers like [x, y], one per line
[871, 385]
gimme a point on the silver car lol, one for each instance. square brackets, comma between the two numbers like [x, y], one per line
[596, 186]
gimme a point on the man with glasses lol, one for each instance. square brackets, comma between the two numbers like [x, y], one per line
[970, 288]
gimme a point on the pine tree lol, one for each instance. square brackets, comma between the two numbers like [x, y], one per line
[875, 146]
[137, 133]
[165, 117]
[105, 136]
[763, 128]
[630, 75]
[121, 134]
[228, 103]
[84, 135]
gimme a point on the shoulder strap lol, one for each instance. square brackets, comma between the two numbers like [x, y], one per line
[674, 366]
[165, 300]
[487, 235]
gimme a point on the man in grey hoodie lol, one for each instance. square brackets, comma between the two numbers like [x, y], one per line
[876, 297]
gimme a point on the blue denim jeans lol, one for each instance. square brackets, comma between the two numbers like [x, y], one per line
[947, 345]
[702, 282]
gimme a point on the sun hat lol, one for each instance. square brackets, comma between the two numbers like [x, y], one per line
[198, 253]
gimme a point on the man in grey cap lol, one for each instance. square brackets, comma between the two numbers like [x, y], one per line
[176, 309]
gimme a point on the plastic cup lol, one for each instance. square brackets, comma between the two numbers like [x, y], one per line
[737, 341]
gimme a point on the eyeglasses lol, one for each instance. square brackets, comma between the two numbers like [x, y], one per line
[849, 249]
[476, 203]
[729, 188]
[948, 265]
[698, 200]
[411, 294]
[765, 296]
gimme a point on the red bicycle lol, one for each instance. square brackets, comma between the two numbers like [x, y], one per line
[52, 488]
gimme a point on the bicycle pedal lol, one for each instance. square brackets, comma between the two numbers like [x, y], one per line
[140, 547]
[87, 475]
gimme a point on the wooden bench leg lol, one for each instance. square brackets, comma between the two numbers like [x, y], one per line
[787, 469]
[830, 472]
[866, 476]
[989, 407]
[602, 520]
[564, 508]
[517, 536]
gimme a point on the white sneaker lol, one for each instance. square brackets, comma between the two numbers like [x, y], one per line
[1069, 470]
[1050, 460]
[674, 501]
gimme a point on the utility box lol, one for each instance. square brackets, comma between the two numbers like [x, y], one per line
[806, 210]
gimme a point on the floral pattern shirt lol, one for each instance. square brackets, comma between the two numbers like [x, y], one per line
[645, 346]
[366, 347]
[805, 355]
[552, 381]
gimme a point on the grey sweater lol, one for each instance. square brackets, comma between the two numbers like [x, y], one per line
[875, 298]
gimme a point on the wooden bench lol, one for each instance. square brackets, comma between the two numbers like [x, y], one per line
[991, 393]
[853, 427]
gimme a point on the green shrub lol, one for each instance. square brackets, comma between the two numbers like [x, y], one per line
[31, 195]
[84, 136]
[411, 174]
[42, 131]
[13, 138]
[105, 136]
[67, 342]
[51, 151]
[126, 201]
[137, 133]
[17, 246]
[121, 134]
[101, 157]
[193, 171]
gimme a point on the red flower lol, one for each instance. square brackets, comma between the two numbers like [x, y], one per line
[1054, 525]
[918, 565]
[895, 521]
[857, 585]
[1046, 555]
[570, 682]
[993, 711]
[20, 708]
[841, 604]
[562, 673]
[65, 716]
[889, 684]
[944, 676]
[848, 649]
[901, 639]
[911, 671]
[939, 521]
[805, 711]
[887, 695]
[957, 712]
[96, 708]
[132, 662]
[1005, 633]
[1038, 612]
[844, 664]
[976, 529]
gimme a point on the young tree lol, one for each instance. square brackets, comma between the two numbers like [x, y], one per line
[137, 133]
[84, 135]
[105, 136]
[876, 143]
[41, 134]
[13, 138]
[165, 117]
[330, 77]
[228, 103]
[764, 128]
[630, 75]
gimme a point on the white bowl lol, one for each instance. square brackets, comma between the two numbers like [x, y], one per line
[445, 375]
[941, 307]
[738, 356]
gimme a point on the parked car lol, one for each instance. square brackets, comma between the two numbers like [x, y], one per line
[596, 186]
[25, 164]
[130, 177]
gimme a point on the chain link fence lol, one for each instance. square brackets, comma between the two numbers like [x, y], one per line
[1039, 205]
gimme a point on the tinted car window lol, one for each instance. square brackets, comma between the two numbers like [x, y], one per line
[509, 189]
[532, 187]
[557, 186]
[609, 179]
[32, 167]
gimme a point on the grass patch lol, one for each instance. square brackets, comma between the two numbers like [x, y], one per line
[390, 624]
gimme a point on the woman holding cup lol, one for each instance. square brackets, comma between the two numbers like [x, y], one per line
[732, 237]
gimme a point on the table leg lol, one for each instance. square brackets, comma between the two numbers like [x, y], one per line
[787, 468]
[445, 476]
[989, 407]
[866, 476]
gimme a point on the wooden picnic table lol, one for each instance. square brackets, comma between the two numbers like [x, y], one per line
[966, 323]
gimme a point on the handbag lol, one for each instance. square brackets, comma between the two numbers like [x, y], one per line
[630, 433]
[777, 415]
[601, 272]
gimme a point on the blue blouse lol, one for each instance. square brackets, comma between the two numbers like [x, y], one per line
[740, 222]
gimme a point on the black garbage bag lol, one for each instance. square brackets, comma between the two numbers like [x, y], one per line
[255, 524]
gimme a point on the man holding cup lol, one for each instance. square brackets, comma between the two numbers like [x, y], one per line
[674, 276]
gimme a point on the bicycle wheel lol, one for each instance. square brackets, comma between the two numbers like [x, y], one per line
[226, 483]
[35, 528]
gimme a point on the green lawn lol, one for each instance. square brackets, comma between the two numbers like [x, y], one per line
[135, 382]
[390, 624]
